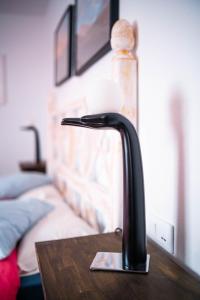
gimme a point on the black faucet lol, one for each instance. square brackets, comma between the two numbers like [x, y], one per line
[134, 256]
[37, 141]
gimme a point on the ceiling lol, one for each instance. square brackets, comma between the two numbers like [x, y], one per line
[24, 7]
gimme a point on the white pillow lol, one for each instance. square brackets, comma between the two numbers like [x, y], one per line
[58, 224]
[46, 193]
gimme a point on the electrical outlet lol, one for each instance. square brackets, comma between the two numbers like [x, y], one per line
[162, 232]
[165, 235]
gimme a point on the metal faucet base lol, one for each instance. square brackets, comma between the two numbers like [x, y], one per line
[112, 261]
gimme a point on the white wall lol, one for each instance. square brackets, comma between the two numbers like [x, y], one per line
[169, 93]
[22, 40]
[168, 53]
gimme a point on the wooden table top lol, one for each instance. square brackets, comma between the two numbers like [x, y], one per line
[64, 266]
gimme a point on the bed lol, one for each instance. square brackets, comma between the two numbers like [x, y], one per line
[84, 169]
[86, 189]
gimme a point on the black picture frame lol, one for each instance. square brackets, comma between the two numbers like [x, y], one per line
[85, 35]
[63, 43]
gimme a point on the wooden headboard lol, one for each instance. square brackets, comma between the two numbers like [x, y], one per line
[86, 166]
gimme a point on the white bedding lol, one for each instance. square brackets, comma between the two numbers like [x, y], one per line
[58, 224]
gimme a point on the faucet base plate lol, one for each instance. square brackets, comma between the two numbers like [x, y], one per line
[112, 261]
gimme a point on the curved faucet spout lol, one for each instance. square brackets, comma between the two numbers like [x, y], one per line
[71, 121]
[37, 141]
[90, 121]
[134, 254]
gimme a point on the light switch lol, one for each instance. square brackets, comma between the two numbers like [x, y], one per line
[165, 235]
[162, 232]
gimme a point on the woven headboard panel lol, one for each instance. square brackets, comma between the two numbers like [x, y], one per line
[85, 165]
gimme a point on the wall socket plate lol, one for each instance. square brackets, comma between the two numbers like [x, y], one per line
[162, 232]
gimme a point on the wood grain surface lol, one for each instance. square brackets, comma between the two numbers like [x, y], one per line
[33, 166]
[64, 267]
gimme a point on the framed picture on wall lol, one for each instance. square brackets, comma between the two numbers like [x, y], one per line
[63, 47]
[94, 20]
